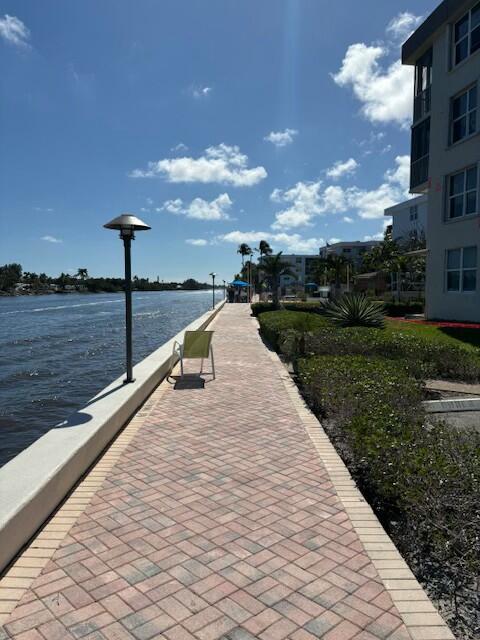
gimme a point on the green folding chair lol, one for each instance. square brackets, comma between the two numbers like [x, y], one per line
[197, 345]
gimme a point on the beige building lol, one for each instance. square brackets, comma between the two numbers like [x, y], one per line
[352, 251]
[445, 51]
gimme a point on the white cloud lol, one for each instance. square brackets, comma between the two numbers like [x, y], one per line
[375, 236]
[348, 219]
[334, 240]
[201, 92]
[51, 239]
[309, 200]
[44, 209]
[201, 209]
[223, 164]
[281, 138]
[402, 26]
[14, 31]
[306, 200]
[196, 242]
[340, 169]
[293, 243]
[386, 92]
[179, 147]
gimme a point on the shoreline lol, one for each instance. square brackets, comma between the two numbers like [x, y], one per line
[23, 294]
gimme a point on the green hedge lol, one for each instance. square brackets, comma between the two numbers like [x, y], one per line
[274, 323]
[423, 482]
[401, 309]
[425, 357]
[306, 307]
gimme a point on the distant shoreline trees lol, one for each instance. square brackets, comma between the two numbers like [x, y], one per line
[14, 281]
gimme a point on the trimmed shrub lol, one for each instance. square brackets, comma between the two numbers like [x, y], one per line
[424, 357]
[355, 310]
[402, 309]
[306, 307]
[261, 307]
[274, 323]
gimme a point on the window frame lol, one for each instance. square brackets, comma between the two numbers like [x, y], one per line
[450, 196]
[467, 36]
[467, 114]
[461, 269]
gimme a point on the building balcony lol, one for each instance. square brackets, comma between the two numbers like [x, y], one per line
[419, 175]
[422, 104]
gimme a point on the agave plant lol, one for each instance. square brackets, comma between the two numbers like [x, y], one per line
[355, 310]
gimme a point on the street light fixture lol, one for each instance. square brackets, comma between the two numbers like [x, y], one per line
[213, 289]
[127, 224]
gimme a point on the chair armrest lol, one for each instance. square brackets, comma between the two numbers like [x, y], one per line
[177, 347]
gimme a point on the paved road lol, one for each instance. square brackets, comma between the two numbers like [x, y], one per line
[217, 520]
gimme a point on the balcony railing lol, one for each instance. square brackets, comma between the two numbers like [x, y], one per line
[419, 172]
[422, 104]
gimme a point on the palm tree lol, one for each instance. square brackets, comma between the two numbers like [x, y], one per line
[273, 267]
[332, 269]
[82, 274]
[244, 250]
[339, 264]
[264, 249]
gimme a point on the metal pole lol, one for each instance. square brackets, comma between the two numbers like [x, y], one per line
[127, 241]
[213, 293]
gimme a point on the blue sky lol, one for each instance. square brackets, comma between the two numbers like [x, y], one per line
[216, 122]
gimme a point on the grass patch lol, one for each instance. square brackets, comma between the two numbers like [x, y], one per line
[458, 336]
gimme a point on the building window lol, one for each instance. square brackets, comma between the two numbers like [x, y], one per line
[413, 213]
[464, 115]
[462, 193]
[466, 34]
[420, 153]
[347, 251]
[461, 269]
[423, 81]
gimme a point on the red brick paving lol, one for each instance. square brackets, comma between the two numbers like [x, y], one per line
[218, 521]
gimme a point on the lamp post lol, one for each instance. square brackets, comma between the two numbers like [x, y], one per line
[127, 224]
[224, 289]
[213, 289]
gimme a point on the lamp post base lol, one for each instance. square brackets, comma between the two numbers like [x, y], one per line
[127, 381]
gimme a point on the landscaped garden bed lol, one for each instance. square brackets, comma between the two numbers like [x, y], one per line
[423, 480]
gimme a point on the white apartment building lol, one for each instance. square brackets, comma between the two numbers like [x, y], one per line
[353, 251]
[445, 52]
[302, 266]
[409, 219]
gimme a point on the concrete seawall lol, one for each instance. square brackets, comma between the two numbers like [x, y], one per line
[36, 481]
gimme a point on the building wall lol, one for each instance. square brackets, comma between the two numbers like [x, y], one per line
[352, 251]
[301, 265]
[404, 225]
[443, 234]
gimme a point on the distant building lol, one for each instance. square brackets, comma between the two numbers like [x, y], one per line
[445, 153]
[353, 251]
[409, 219]
[303, 266]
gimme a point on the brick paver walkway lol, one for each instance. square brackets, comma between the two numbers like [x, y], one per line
[218, 521]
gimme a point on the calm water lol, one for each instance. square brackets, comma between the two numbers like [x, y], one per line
[56, 352]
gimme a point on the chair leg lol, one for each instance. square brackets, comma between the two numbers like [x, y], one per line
[213, 362]
[201, 367]
[181, 364]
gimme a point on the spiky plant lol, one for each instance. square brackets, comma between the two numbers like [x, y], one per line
[355, 310]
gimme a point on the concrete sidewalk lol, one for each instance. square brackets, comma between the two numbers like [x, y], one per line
[221, 512]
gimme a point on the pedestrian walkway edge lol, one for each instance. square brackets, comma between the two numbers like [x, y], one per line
[415, 607]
